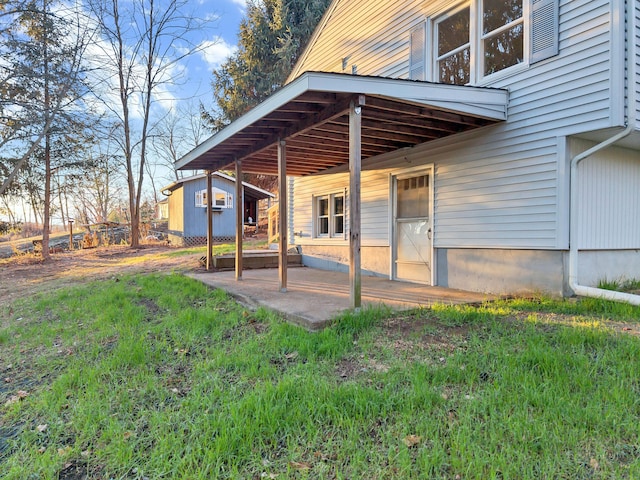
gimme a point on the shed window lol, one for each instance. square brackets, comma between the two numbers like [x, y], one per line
[220, 198]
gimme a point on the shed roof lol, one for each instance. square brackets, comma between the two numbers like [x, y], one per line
[312, 114]
[249, 189]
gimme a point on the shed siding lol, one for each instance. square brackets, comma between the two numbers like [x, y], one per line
[176, 210]
[609, 198]
[195, 218]
[500, 187]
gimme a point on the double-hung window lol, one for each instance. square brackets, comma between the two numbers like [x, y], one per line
[480, 38]
[329, 215]
[453, 47]
[466, 51]
[502, 35]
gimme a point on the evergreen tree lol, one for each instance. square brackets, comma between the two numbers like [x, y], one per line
[42, 82]
[271, 38]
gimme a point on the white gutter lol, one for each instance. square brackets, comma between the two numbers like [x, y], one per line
[583, 290]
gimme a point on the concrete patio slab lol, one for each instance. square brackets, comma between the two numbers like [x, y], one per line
[315, 297]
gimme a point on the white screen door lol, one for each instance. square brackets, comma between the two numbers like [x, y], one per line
[412, 227]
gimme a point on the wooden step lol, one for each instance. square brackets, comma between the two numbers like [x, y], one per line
[253, 260]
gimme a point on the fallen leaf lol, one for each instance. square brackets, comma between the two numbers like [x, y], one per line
[85, 453]
[127, 435]
[291, 356]
[64, 451]
[16, 398]
[42, 428]
[299, 465]
[8, 380]
[42, 450]
[594, 464]
[324, 457]
[412, 440]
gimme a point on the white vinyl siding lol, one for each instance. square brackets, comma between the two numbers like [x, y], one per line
[609, 198]
[500, 187]
[571, 91]
[373, 35]
[417, 55]
[637, 80]
[374, 218]
[488, 196]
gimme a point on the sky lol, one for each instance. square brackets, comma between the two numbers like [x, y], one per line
[189, 81]
[219, 42]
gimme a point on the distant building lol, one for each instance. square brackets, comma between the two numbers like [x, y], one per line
[186, 208]
[162, 209]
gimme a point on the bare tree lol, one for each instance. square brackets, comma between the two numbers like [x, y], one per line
[32, 39]
[100, 189]
[181, 130]
[42, 79]
[145, 40]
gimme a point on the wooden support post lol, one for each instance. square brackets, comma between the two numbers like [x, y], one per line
[209, 211]
[71, 234]
[239, 219]
[282, 214]
[355, 158]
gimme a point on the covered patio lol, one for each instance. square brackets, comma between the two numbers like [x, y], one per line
[321, 121]
[316, 297]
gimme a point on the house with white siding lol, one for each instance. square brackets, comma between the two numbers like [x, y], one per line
[186, 200]
[482, 145]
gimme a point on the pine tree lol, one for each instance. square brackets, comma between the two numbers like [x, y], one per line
[271, 38]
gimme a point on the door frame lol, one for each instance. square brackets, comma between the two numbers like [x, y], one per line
[426, 169]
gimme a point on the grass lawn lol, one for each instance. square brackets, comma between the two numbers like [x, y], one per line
[155, 376]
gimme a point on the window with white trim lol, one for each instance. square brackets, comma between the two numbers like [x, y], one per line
[479, 38]
[201, 198]
[329, 215]
[220, 198]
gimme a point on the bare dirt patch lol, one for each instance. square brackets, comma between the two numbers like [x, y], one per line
[27, 275]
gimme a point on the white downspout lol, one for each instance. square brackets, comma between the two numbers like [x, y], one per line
[573, 223]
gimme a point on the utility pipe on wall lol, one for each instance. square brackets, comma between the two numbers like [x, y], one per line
[578, 289]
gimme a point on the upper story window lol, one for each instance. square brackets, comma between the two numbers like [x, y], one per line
[502, 39]
[453, 47]
[479, 38]
[220, 198]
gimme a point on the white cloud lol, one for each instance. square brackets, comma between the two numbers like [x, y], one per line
[216, 51]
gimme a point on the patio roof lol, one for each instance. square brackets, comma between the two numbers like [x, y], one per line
[312, 115]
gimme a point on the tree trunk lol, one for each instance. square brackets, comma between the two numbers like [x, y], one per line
[47, 140]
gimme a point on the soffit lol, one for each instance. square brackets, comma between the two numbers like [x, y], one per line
[312, 115]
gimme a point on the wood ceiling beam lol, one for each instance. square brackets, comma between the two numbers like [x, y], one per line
[332, 111]
[423, 111]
